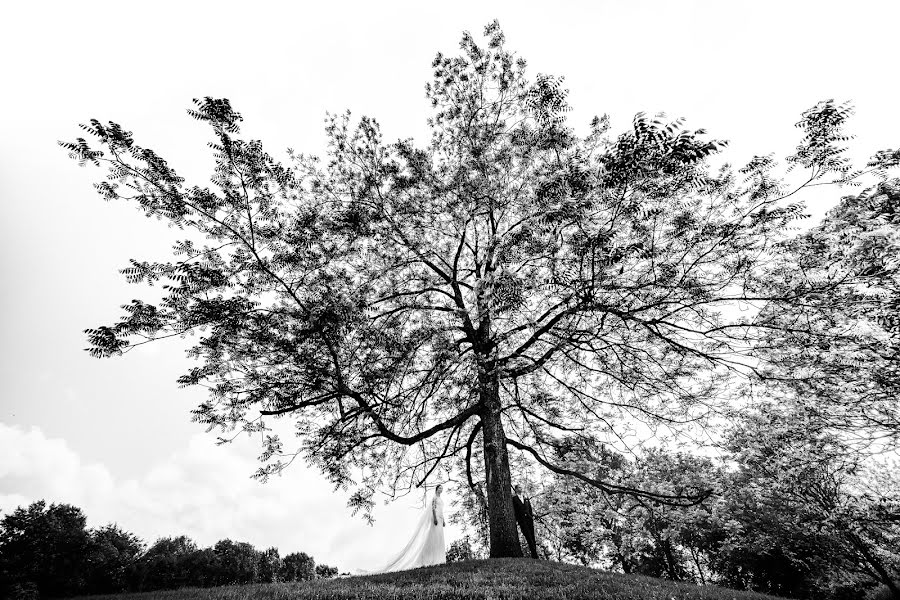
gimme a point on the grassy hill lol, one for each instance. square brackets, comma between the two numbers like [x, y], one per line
[497, 579]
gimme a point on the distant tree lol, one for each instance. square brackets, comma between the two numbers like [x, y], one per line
[44, 548]
[298, 566]
[270, 566]
[203, 568]
[325, 572]
[238, 562]
[46, 552]
[166, 564]
[510, 281]
[111, 557]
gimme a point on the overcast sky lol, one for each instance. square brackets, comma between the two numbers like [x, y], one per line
[114, 436]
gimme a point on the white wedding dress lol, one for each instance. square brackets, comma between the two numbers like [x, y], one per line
[426, 547]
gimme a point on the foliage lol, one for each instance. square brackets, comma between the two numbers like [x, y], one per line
[812, 477]
[298, 566]
[510, 279]
[325, 572]
[829, 436]
[112, 551]
[795, 513]
[631, 534]
[238, 561]
[166, 564]
[269, 566]
[44, 546]
[842, 368]
[460, 550]
[47, 552]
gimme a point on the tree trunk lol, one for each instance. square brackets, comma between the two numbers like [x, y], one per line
[697, 564]
[503, 531]
[873, 562]
[671, 563]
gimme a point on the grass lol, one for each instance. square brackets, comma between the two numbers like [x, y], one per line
[496, 579]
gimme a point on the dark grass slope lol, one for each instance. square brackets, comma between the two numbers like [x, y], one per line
[496, 579]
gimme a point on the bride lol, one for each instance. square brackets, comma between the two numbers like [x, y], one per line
[426, 547]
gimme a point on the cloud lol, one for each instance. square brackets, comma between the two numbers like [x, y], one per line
[204, 491]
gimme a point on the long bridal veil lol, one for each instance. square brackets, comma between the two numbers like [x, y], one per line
[426, 546]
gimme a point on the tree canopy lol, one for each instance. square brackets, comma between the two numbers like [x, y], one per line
[510, 280]
[843, 364]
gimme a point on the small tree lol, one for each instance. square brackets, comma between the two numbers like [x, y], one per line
[460, 550]
[506, 286]
[325, 572]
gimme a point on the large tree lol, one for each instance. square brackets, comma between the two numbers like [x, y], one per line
[508, 285]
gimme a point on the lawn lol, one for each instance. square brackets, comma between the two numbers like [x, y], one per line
[497, 579]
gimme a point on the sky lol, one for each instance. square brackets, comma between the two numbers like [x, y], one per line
[114, 436]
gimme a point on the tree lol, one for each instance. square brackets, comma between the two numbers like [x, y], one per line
[111, 555]
[631, 534]
[822, 482]
[511, 281]
[838, 376]
[166, 564]
[46, 551]
[325, 572]
[298, 566]
[460, 550]
[238, 562]
[44, 547]
[270, 566]
[766, 546]
[573, 516]
[203, 568]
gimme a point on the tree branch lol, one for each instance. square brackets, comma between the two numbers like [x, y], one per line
[611, 488]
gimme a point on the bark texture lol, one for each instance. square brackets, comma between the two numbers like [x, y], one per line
[504, 536]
